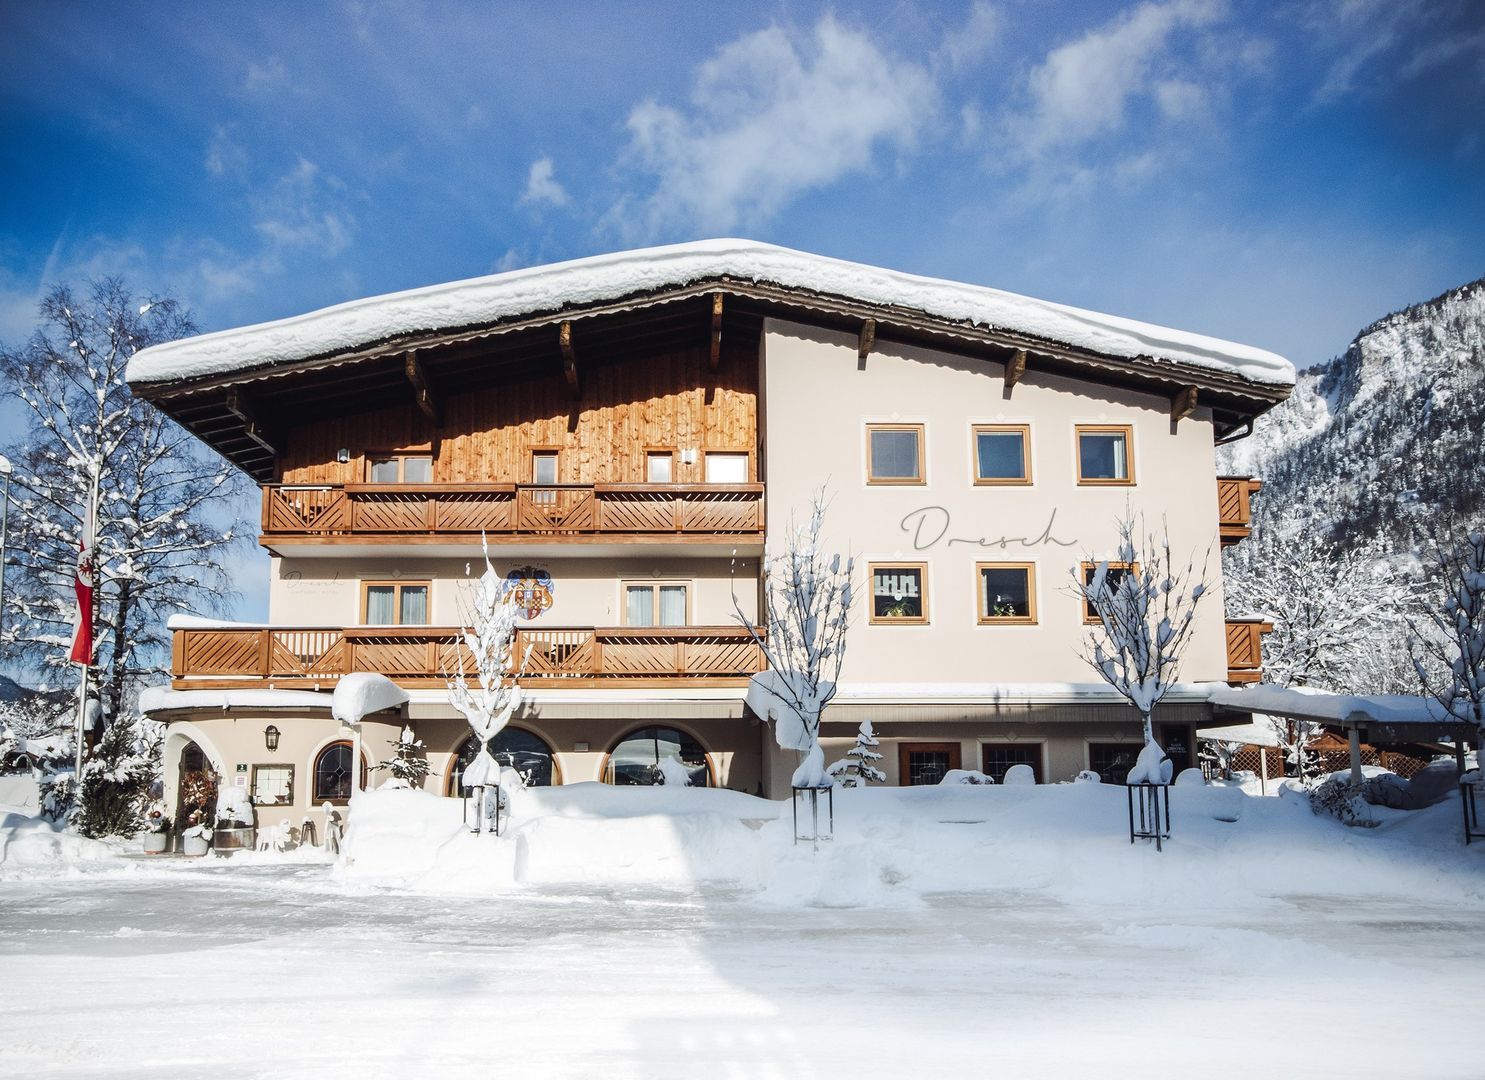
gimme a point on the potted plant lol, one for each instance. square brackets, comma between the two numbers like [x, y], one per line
[196, 839]
[156, 832]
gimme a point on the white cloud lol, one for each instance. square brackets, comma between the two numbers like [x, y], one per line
[224, 154]
[542, 186]
[301, 211]
[267, 76]
[1084, 89]
[967, 46]
[771, 116]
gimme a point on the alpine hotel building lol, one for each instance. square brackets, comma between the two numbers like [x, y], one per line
[629, 434]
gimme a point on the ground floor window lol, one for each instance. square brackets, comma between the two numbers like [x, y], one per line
[273, 785]
[333, 773]
[638, 757]
[1112, 761]
[513, 747]
[997, 759]
[925, 763]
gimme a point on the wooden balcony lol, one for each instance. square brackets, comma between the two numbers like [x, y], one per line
[557, 513]
[308, 658]
[1234, 507]
[1245, 649]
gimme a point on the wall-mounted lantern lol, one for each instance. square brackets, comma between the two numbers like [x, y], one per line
[270, 737]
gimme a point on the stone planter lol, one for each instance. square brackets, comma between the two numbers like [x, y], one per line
[195, 845]
[155, 843]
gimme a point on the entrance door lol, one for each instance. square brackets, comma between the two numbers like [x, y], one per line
[1176, 738]
[921, 763]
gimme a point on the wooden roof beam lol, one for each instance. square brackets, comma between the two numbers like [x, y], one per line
[1182, 405]
[865, 340]
[716, 356]
[428, 399]
[1015, 369]
[238, 405]
[569, 360]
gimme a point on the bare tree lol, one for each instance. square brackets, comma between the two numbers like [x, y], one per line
[1448, 651]
[167, 508]
[1146, 612]
[807, 597]
[488, 707]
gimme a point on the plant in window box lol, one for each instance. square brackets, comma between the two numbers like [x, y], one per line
[156, 831]
[1001, 608]
[899, 609]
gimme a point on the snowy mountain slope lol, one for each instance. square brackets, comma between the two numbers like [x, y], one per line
[1387, 438]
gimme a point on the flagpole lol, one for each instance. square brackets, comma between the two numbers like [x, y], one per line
[90, 527]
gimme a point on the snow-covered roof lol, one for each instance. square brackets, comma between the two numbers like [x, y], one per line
[164, 699]
[605, 278]
[1336, 708]
[1003, 692]
[361, 693]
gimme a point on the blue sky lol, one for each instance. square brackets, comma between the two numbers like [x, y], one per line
[1277, 173]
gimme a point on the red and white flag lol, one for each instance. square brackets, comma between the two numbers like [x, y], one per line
[82, 584]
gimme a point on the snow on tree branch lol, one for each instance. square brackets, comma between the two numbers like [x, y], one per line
[1448, 650]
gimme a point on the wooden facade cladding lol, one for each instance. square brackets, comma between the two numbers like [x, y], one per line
[667, 401]
[422, 656]
[422, 513]
[1234, 507]
[1245, 649]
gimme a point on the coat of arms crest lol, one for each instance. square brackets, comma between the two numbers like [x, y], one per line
[529, 589]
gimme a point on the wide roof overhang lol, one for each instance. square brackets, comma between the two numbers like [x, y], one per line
[242, 409]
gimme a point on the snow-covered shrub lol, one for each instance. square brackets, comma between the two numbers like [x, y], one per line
[234, 808]
[1453, 642]
[858, 768]
[58, 791]
[1087, 776]
[408, 764]
[673, 773]
[966, 776]
[1020, 775]
[1337, 797]
[116, 783]
[1191, 778]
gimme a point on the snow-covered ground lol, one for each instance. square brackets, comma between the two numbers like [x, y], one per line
[948, 932]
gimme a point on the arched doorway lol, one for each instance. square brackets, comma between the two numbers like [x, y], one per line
[635, 759]
[517, 748]
[196, 790]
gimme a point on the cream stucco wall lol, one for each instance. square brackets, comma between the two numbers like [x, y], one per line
[819, 403]
[586, 591]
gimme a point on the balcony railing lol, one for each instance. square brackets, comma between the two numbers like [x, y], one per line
[316, 657]
[1234, 507]
[560, 512]
[1245, 649]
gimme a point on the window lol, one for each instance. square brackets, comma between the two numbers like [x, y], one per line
[656, 603]
[659, 466]
[925, 763]
[1112, 761]
[894, 453]
[395, 603]
[1002, 454]
[1115, 574]
[1007, 592]
[639, 758]
[333, 773]
[543, 466]
[1103, 454]
[401, 469]
[273, 785]
[726, 468]
[899, 593]
[514, 747]
[999, 757]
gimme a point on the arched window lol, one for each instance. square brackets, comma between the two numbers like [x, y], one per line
[636, 759]
[517, 748]
[333, 773]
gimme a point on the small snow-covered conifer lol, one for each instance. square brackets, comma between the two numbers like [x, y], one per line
[409, 762]
[858, 768]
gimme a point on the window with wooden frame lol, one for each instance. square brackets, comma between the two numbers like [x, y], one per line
[657, 603]
[726, 467]
[1002, 454]
[273, 785]
[659, 466]
[1105, 454]
[399, 468]
[1116, 573]
[333, 774]
[1007, 593]
[996, 759]
[899, 593]
[925, 764]
[394, 603]
[894, 454]
[544, 466]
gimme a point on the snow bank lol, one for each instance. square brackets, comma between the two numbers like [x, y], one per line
[487, 300]
[29, 843]
[893, 846]
[362, 693]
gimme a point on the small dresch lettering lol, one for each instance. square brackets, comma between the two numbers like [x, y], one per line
[930, 525]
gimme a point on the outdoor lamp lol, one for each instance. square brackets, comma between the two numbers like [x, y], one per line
[270, 737]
